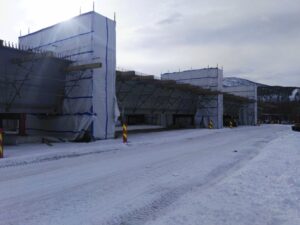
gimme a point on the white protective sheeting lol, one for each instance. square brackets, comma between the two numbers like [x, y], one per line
[210, 78]
[89, 102]
[209, 108]
[248, 114]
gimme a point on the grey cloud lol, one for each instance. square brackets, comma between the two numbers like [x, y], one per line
[254, 30]
[258, 40]
[284, 78]
[171, 19]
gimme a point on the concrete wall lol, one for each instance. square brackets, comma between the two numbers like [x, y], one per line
[208, 107]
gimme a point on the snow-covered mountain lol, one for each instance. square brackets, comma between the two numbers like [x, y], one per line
[266, 93]
[278, 94]
[235, 81]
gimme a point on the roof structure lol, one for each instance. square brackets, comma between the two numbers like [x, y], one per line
[141, 93]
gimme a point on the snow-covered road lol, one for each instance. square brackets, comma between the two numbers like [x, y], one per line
[247, 175]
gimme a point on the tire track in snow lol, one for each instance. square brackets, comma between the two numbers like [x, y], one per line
[54, 157]
[157, 207]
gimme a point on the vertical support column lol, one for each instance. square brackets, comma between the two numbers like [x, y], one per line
[1, 144]
[255, 105]
[220, 110]
[22, 124]
[163, 120]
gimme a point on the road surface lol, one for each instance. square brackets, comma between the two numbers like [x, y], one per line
[229, 176]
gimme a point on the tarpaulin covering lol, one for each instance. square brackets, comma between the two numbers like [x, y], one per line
[89, 104]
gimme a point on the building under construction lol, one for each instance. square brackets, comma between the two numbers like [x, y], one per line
[193, 98]
[62, 79]
[62, 82]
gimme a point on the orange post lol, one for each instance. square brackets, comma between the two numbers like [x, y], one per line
[1, 144]
[124, 133]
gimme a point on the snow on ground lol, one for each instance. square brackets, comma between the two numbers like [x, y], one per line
[247, 175]
[265, 191]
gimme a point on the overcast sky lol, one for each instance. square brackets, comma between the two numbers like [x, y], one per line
[254, 39]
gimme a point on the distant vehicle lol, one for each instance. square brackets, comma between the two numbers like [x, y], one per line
[296, 127]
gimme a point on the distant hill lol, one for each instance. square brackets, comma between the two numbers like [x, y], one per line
[266, 93]
[278, 94]
[235, 81]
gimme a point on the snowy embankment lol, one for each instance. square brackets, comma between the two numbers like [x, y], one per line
[247, 175]
[35, 153]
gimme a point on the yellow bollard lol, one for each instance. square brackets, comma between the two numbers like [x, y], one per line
[210, 124]
[230, 124]
[124, 133]
[1, 144]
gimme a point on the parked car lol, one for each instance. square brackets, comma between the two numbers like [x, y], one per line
[296, 127]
